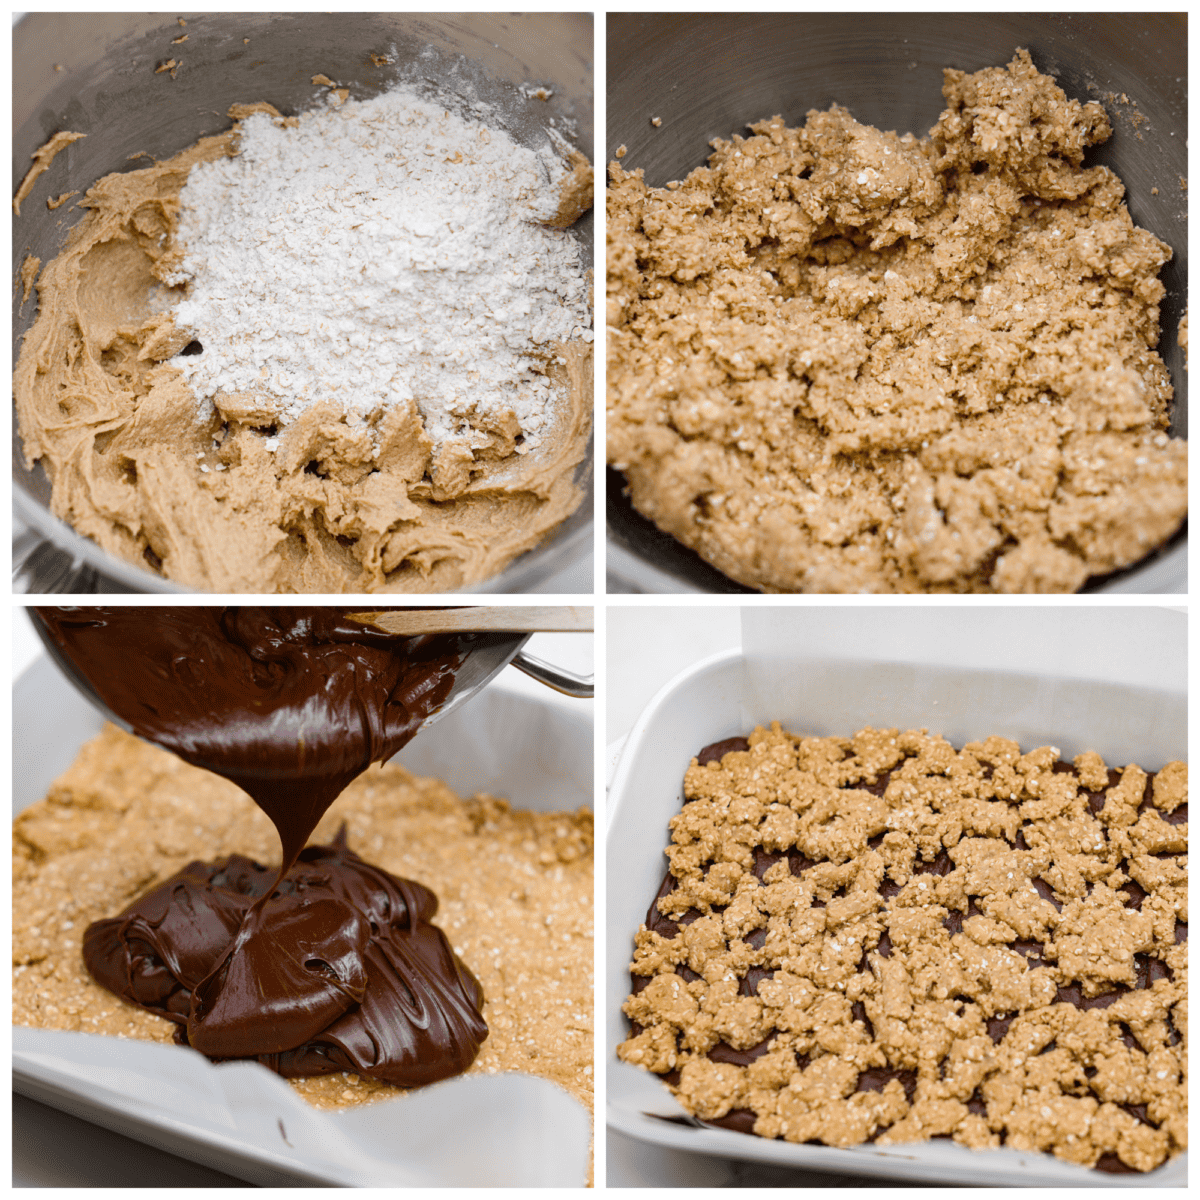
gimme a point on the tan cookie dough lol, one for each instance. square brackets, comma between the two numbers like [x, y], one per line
[229, 502]
[925, 931]
[29, 273]
[514, 890]
[846, 361]
[43, 156]
[575, 192]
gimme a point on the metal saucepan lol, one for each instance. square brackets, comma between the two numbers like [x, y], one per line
[490, 654]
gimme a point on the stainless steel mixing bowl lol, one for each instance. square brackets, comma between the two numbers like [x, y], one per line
[707, 75]
[95, 73]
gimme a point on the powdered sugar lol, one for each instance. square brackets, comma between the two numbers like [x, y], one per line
[380, 252]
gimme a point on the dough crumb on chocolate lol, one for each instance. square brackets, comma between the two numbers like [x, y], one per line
[882, 938]
[843, 360]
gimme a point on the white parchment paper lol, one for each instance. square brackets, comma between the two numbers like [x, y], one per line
[1111, 679]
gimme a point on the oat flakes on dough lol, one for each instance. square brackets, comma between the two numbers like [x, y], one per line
[870, 955]
[376, 253]
[846, 361]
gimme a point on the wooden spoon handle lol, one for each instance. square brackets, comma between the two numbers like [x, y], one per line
[550, 619]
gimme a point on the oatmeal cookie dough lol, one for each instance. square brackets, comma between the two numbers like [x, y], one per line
[229, 502]
[43, 156]
[574, 192]
[842, 360]
[515, 892]
[882, 938]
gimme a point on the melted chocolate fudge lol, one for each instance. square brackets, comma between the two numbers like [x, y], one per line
[327, 964]
[875, 1079]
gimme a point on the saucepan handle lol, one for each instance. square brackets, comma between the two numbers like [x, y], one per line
[560, 680]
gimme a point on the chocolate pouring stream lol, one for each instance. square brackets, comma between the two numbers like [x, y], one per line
[328, 964]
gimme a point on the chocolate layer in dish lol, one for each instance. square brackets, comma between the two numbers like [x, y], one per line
[325, 964]
[406, 1013]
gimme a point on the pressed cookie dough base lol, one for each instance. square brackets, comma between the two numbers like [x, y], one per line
[220, 499]
[514, 890]
[882, 938]
[846, 361]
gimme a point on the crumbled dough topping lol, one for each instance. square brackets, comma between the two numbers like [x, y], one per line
[881, 938]
[842, 360]
[514, 890]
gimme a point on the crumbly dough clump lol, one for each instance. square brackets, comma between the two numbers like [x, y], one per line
[882, 938]
[219, 498]
[575, 191]
[842, 360]
[514, 890]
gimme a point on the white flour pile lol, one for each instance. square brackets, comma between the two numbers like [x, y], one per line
[377, 252]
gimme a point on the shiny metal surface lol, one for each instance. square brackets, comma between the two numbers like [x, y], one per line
[42, 568]
[108, 89]
[707, 75]
[489, 656]
[561, 680]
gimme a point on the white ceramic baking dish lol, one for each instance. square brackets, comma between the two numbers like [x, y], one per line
[720, 697]
[474, 1131]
